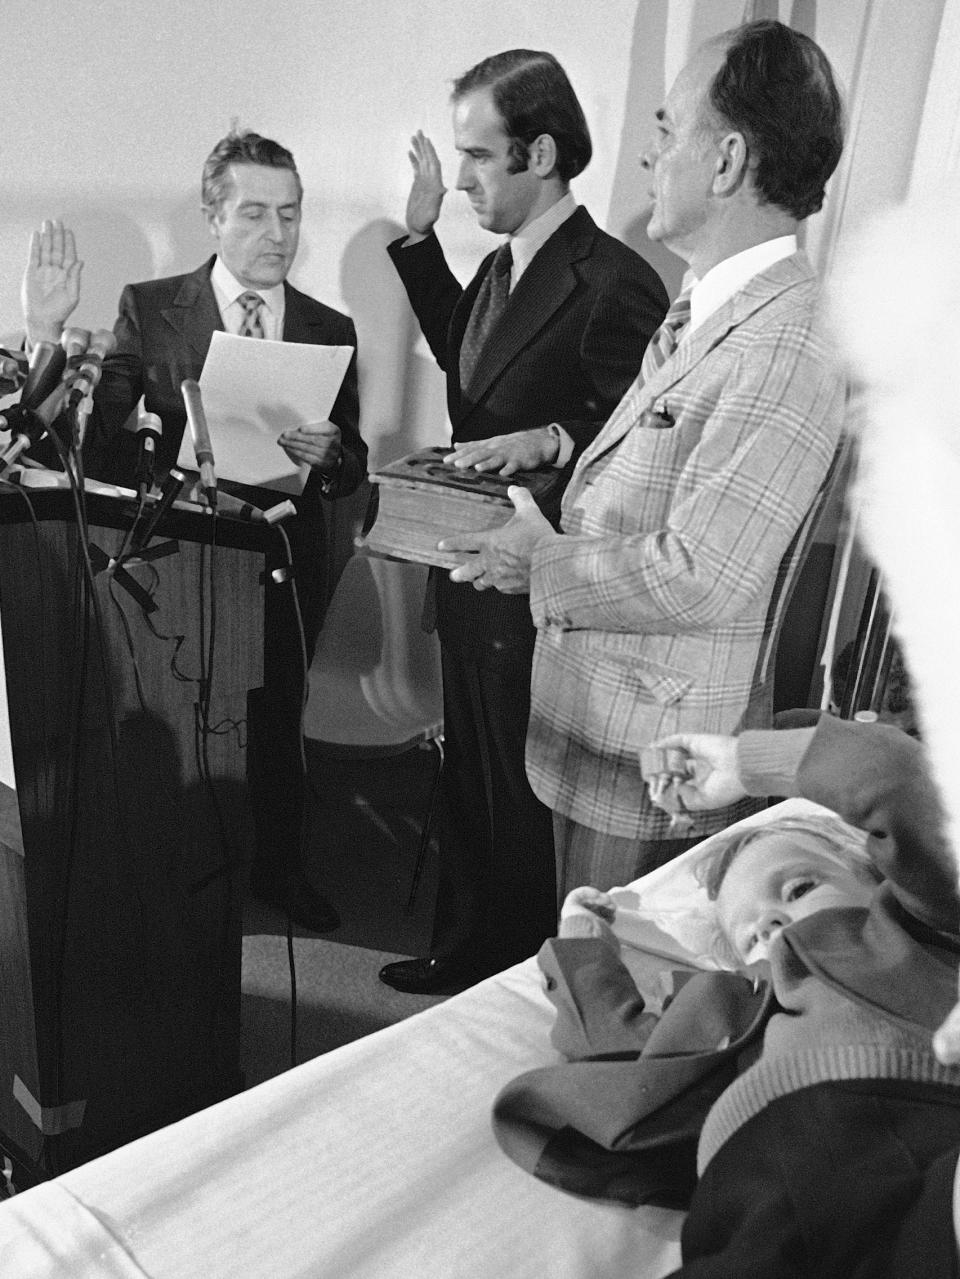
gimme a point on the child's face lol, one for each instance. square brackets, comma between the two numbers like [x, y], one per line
[778, 879]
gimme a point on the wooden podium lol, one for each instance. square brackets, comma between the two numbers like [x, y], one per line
[123, 846]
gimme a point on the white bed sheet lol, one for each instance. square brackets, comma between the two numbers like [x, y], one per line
[375, 1161]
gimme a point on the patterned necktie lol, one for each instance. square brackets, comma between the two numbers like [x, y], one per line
[487, 309]
[664, 341]
[252, 326]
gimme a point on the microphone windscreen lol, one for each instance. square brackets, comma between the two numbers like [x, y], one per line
[197, 421]
[13, 370]
[102, 344]
[150, 422]
[47, 360]
[75, 342]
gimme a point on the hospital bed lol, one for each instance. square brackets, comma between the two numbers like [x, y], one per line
[376, 1160]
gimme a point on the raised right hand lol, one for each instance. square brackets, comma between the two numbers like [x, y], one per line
[427, 191]
[50, 289]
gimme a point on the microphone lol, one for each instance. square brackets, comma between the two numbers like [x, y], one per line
[30, 427]
[47, 360]
[169, 492]
[149, 431]
[46, 411]
[75, 342]
[101, 345]
[200, 437]
[227, 504]
[13, 371]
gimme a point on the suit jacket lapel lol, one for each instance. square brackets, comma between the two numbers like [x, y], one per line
[755, 294]
[542, 289]
[298, 324]
[194, 314]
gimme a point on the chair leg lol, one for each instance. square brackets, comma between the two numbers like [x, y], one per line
[437, 743]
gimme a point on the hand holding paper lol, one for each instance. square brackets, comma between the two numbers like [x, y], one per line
[262, 394]
[317, 444]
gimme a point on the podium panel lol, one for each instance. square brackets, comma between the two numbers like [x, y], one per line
[123, 845]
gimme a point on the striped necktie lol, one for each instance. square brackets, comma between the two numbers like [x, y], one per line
[664, 341]
[487, 309]
[252, 326]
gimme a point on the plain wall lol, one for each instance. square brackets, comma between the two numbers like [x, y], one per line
[110, 108]
[113, 141]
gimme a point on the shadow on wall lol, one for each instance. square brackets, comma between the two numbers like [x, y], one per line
[372, 643]
[629, 199]
[402, 405]
[119, 242]
[803, 17]
[190, 243]
[115, 245]
[647, 87]
[402, 392]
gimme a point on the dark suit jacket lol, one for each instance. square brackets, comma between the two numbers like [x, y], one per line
[163, 335]
[567, 347]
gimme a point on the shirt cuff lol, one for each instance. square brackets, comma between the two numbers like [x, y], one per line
[587, 926]
[564, 445]
[329, 479]
[767, 760]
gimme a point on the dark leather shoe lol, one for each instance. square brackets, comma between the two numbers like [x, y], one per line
[297, 898]
[444, 975]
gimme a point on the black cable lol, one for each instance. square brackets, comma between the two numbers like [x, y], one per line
[73, 794]
[298, 615]
[304, 663]
[89, 613]
[131, 647]
[208, 640]
[178, 641]
[291, 963]
[141, 507]
[42, 613]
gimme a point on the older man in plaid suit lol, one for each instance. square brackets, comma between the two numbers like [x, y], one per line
[684, 521]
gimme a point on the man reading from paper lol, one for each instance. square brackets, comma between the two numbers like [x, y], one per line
[252, 204]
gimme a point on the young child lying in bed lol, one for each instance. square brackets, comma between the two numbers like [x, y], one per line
[761, 879]
[804, 1118]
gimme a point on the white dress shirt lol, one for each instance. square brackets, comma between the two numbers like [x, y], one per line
[723, 280]
[227, 290]
[529, 240]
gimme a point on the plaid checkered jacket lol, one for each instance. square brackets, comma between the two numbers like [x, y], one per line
[658, 607]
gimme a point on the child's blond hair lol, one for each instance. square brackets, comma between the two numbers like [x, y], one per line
[840, 842]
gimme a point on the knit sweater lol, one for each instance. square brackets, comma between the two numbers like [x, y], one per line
[821, 1033]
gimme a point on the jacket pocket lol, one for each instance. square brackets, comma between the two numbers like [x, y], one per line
[664, 682]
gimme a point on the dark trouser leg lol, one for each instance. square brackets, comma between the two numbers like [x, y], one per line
[588, 856]
[497, 889]
[275, 777]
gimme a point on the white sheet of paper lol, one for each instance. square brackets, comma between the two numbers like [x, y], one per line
[255, 390]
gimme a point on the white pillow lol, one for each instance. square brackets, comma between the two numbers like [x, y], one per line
[667, 913]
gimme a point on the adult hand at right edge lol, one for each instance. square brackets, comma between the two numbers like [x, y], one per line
[712, 776]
